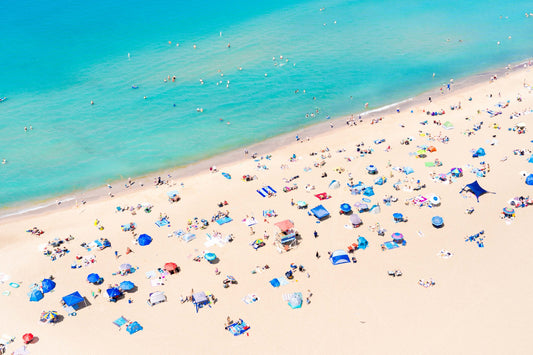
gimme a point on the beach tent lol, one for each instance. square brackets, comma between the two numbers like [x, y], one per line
[144, 239]
[362, 243]
[529, 179]
[368, 191]
[35, 295]
[479, 153]
[134, 327]
[447, 125]
[432, 149]
[73, 299]
[320, 212]
[296, 300]
[355, 220]
[408, 170]
[47, 285]
[334, 184]
[339, 257]
[478, 190]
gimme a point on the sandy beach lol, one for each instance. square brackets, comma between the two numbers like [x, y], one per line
[453, 296]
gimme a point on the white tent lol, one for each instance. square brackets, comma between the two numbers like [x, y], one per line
[334, 184]
[156, 297]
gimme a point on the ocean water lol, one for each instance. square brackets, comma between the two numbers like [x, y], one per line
[289, 65]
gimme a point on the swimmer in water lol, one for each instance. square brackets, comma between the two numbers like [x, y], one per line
[25, 129]
[92, 102]
[4, 161]
[194, 46]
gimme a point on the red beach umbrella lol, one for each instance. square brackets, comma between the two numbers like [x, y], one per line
[28, 337]
[171, 266]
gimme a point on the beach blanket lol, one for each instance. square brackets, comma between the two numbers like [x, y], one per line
[390, 245]
[238, 328]
[250, 298]
[120, 322]
[163, 222]
[266, 191]
[279, 281]
[224, 220]
[250, 221]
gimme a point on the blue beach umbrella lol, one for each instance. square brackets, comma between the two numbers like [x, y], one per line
[144, 239]
[93, 278]
[35, 295]
[398, 217]
[113, 292]
[47, 285]
[345, 207]
[126, 285]
[210, 257]
[437, 221]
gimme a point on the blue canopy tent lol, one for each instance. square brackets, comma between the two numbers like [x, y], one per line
[478, 190]
[479, 153]
[35, 295]
[339, 257]
[368, 191]
[320, 212]
[199, 299]
[144, 239]
[529, 179]
[73, 300]
[362, 243]
[437, 222]
[47, 285]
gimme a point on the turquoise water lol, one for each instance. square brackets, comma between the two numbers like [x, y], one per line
[56, 57]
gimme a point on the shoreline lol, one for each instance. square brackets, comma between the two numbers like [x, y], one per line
[46, 205]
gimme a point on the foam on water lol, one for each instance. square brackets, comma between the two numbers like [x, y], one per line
[57, 57]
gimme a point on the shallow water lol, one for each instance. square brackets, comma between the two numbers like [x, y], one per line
[57, 57]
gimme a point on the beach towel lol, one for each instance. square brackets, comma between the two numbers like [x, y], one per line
[261, 193]
[224, 220]
[120, 322]
[279, 281]
[250, 298]
[238, 328]
[162, 222]
[390, 245]
[250, 221]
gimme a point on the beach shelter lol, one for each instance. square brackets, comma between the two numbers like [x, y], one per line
[171, 268]
[355, 220]
[478, 190]
[49, 317]
[144, 239]
[126, 285]
[529, 179]
[47, 285]
[134, 327]
[479, 153]
[199, 299]
[93, 278]
[447, 125]
[73, 300]
[296, 300]
[408, 170]
[334, 184]
[530, 160]
[320, 212]
[437, 222]
[346, 208]
[368, 191]
[362, 243]
[339, 257]
[35, 295]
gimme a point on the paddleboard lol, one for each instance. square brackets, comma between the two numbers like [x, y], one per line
[226, 175]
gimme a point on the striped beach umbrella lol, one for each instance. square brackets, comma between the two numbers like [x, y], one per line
[397, 237]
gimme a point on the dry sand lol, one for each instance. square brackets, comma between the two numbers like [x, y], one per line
[479, 304]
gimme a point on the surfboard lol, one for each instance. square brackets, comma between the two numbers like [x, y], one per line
[226, 175]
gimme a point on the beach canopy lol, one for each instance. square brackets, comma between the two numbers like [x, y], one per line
[285, 225]
[478, 190]
[47, 285]
[362, 243]
[126, 285]
[320, 212]
[345, 207]
[296, 300]
[93, 278]
[339, 257]
[334, 184]
[437, 221]
[144, 239]
[355, 219]
[36, 295]
[73, 299]
[133, 328]
[171, 266]
[199, 299]
[529, 179]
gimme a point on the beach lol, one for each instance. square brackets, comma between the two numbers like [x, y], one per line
[452, 294]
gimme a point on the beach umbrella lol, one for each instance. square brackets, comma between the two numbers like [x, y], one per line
[47, 285]
[508, 211]
[35, 295]
[296, 300]
[345, 207]
[397, 237]
[398, 217]
[355, 219]
[437, 221]
[170, 266]
[434, 200]
[125, 267]
[93, 278]
[529, 179]
[372, 169]
[144, 239]
[171, 194]
[113, 292]
[28, 337]
[126, 285]
[457, 172]
[49, 316]
[301, 204]
[210, 257]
